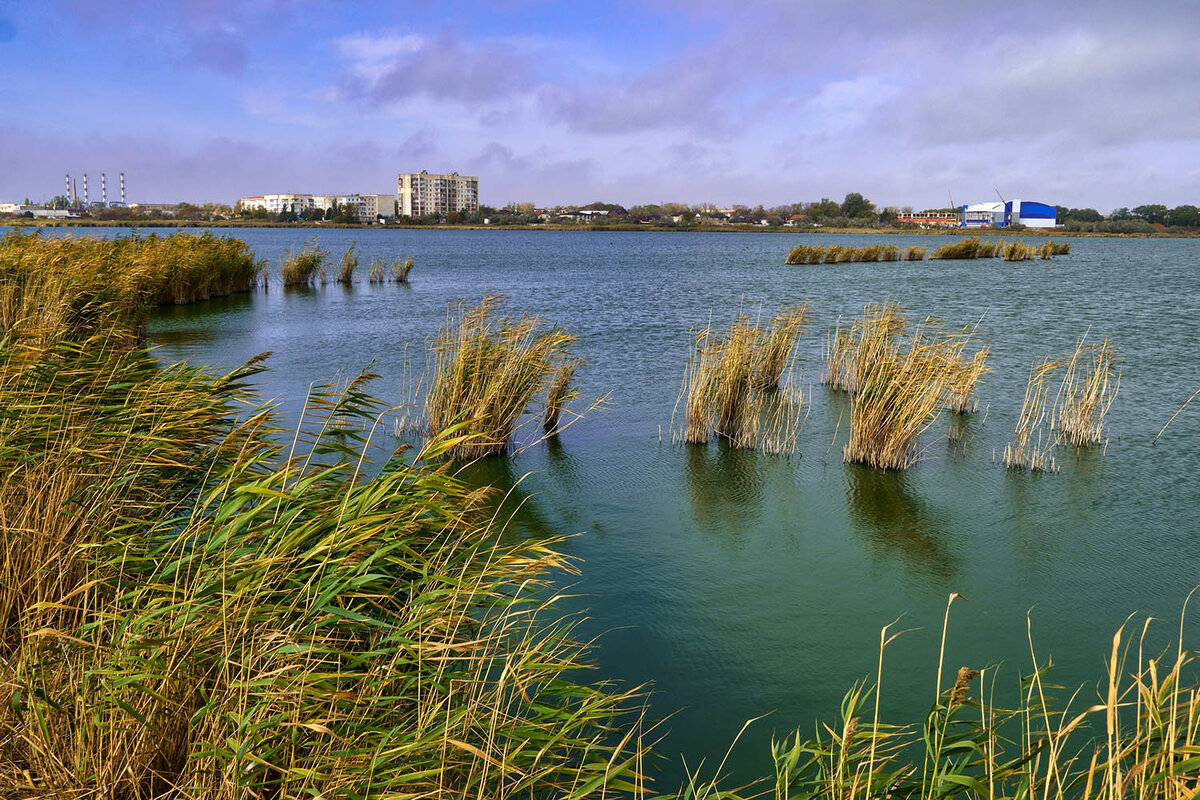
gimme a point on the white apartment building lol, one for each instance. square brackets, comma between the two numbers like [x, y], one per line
[422, 194]
[367, 207]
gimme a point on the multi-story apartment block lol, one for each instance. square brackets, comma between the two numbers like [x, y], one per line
[366, 207]
[422, 194]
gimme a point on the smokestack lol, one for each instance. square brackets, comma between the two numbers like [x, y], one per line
[85, 197]
[68, 194]
[103, 190]
[74, 194]
[122, 188]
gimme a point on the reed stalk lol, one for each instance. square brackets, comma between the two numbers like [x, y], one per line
[1090, 385]
[559, 392]
[1031, 447]
[965, 374]
[774, 352]
[378, 271]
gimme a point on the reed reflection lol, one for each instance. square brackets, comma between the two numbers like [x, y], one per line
[899, 523]
[505, 498]
[725, 485]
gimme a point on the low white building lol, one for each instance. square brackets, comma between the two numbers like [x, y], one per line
[983, 215]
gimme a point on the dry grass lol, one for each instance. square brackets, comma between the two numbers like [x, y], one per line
[378, 271]
[965, 374]
[347, 266]
[914, 253]
[306, 268]
[1018, 251]
[850, 351]
[1031, 447]
[774, 353]
[1090, 384]
[486, 369]
[559, 392]
[838, 254]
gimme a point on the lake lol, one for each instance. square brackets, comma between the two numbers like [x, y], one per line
[740, 584]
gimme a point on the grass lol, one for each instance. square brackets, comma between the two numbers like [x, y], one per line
[1031, 448]
[731, 384]
[486, 370]
[378, 271]
[914, 253]
[1018, 251]
[347, 266]
[305, 268]
[198, 604]
[559, 393]
[838, 254]
[965, 374]
[971, 247]
[1090, 384]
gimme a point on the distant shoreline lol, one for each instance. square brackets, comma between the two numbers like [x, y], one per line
[235, 224]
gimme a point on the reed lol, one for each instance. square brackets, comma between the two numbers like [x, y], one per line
[306, 268]
[1061, 248]
[347, 266]
[1018, 251]
[1090, 384]
[971, 247]
[378, 271]
[899, 382]
[1139, 739]
[965, 374]
[914, 253]
[1046, 251]
[1031, 448]
[486, 370]
[199, 604]
[559, 392]
[774, 353]
[889, 253]
[401, 270]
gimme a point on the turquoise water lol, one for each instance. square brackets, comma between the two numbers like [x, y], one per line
[740, 584]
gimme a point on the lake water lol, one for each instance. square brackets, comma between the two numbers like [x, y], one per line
[741, 584]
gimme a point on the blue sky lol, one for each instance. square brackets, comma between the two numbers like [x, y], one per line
[763, 101]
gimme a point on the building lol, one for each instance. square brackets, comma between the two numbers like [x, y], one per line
[1009, 212]
[422, 194]
[928, 219]
[367, 208]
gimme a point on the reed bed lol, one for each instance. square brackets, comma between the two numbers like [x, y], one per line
[198, 604]
[1090, 384]
[46, 282]
[402, 269]
[914, 253]
[971, 247]
[850, 351]
[965, 374]
[731, 381]
[486, 370]
[306, 268]
[1032, 448]
[837, 254]
[559, 392]
[348, 265]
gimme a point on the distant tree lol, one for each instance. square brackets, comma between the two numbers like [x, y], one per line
[888, 216]
[60, 201]
[1061, 213]
[855, 206]
[188, 211]
[454, 218]
[823, 210]
[1184, 216]
[1154, 214]
[1083, 215]
[1121, 214]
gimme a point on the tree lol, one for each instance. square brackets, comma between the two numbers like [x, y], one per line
[888, 216]
[823, 210]
[1184, 216]
[1121, 214]
[855, 206]
[454, 218]
[1083, 215]
[1154, 214]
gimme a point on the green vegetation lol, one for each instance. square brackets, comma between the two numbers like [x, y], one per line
[305, 268]
[54, 278]
[199, 604]
[486, 370]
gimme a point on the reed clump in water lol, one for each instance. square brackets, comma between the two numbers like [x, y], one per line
[1090, 384]
[965, 374]
[914, 253]
[559, 392]
[348, 265]
[486, 369]
[731, 382]
[378, 271]
[971, 247]
[306, 268]
[838, 254]
[198, 604]
[850, 350]
[1018, 251]
[1031, 447]
[402, 269]
[899, 381]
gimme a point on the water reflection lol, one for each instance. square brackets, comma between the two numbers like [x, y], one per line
[725, 485]
[899, 523]
[509, 502]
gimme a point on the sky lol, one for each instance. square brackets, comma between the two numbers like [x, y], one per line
[1083, 104]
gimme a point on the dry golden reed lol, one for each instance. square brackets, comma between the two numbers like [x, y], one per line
[348, 265]
[1090, 384]
[306, 268]
[1032, 448]
[559, 392]
[838, 254]
[402, 269]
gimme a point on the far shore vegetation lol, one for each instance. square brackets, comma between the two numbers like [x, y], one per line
[855, 214]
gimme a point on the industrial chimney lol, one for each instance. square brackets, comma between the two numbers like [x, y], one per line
[122, 188]
[103, 190]
[85, 196]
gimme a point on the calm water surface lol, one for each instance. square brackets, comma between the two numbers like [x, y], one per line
[740, 584]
